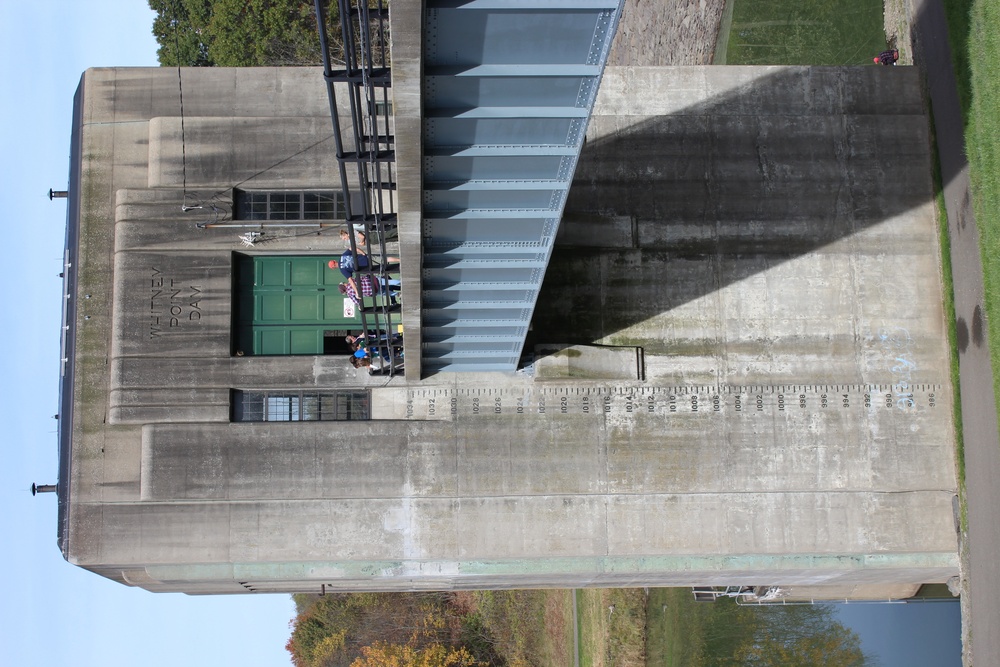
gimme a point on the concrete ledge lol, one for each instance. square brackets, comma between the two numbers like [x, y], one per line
[588, 362]
[406, 48]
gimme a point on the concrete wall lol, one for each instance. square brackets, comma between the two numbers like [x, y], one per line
[138, 255]
[765, 236]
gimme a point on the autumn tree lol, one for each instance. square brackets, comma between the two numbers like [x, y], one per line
[332, 630]
[383, 654]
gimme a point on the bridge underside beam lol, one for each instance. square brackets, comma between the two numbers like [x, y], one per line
[507, 90]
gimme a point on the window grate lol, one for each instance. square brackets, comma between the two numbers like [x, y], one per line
[294, 406]
[289, 205]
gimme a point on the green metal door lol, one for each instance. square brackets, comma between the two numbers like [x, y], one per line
[285, 305]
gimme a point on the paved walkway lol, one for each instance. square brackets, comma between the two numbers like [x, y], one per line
[981, 546]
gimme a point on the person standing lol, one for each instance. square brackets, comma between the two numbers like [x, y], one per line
[347, 266]
[887, 57]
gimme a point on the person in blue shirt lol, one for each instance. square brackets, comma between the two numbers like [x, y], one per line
[347, 267]
[346, 263]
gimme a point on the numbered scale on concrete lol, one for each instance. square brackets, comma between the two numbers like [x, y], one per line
[729, 400]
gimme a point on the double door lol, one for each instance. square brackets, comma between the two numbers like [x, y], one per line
[291, 305]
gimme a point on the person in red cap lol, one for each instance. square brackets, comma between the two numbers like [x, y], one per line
[887, 58]
[346, 263]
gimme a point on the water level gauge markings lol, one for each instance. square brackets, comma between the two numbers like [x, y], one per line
[685, 399]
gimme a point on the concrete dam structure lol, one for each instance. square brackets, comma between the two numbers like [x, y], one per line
[736, 370]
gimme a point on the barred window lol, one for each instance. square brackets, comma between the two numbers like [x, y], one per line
[289, 205]
[293, 406]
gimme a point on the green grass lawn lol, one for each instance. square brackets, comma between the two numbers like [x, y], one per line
[982, 140]
[675, 628]
[590, 620]
[959, 15]
[791, 32]
[683, 633]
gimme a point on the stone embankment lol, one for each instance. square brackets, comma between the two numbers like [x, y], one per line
[667, 32]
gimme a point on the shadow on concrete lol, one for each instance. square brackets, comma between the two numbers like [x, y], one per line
[674, 207]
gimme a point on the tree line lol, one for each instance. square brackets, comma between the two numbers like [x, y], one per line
[793, 635]
[239, 33]
[385, 630]
[505, 629]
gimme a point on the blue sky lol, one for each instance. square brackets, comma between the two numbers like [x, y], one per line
[60, 614]
[51, 611]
